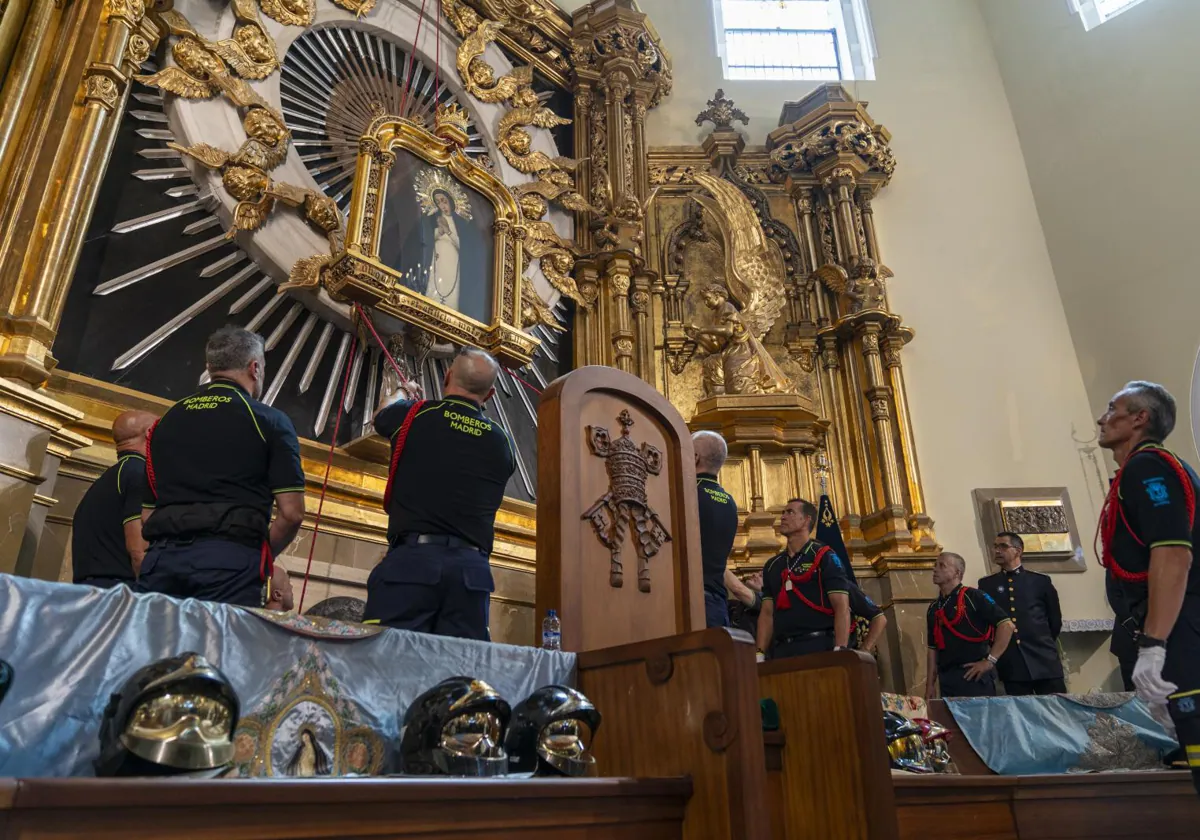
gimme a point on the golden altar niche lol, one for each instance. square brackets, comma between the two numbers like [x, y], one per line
[443, 174]
[820, 401]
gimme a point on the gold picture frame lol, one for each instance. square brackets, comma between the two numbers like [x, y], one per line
[358, 273]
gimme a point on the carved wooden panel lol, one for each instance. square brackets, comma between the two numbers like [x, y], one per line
[836, 781]
[687, 704]
[574, 570]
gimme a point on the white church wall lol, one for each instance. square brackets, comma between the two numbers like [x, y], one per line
[1108, 125]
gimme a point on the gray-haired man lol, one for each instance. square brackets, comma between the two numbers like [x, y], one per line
[718, 528]
[1148, 534]
[216, 463]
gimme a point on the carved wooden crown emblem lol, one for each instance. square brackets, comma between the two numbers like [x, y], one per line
[628, 466]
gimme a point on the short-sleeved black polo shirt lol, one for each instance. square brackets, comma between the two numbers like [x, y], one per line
[830, 579]
[98, 527]
[718, 528]
[451, 476]
[982, 613]
[861, 606]
[218, 459]
[1152, 500]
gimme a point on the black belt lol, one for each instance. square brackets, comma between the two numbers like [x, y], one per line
[179, 542]
[437, 539]
[799, 637]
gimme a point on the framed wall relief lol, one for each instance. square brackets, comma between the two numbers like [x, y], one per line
[434, 239]
[1042, 516]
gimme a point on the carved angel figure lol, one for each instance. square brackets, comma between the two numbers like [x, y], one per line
[864, 284]
[736, 361]
[866, 289]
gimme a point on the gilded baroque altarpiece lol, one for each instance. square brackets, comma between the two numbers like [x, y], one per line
[744, 281]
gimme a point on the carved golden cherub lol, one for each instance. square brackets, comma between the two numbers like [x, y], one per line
[555, 255]
[866, 289]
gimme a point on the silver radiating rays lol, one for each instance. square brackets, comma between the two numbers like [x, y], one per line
[335, 81]
[330, 83]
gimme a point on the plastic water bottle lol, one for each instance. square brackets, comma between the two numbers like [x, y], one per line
[551, 632]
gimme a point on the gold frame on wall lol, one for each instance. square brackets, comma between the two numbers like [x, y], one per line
[358, 274]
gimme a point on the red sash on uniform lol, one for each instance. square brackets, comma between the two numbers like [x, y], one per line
[940, 621]
[397, 449]
[1112, 511]
[784, 602]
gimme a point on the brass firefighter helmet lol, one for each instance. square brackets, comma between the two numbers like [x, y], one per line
[551, 733]
[455, 728]
[906, 747]
[176, 715]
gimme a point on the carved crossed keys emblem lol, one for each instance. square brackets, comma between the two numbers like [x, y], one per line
[625, 503]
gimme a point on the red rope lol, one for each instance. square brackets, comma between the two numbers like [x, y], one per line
[366, 319]
[397, 450]
[412, 55]
[150, 460]
[1106, 528]
[513, 374]
[437, 62]
[328, 466]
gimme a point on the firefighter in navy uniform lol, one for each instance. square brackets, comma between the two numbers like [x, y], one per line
[1148, 534]
[1031, 665]
[216, 463]
[967, 635]
[869, 622]
[106, 533]
[450, 465]
[718, 527]
[805, 607]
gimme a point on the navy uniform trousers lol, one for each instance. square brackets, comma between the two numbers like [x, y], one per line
[953, 683]
[1183, 669]
[716, 610]
[429, 588]
[802, 644]
[205, 569]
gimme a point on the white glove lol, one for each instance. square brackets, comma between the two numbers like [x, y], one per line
[1159, 712]
[1147, 677]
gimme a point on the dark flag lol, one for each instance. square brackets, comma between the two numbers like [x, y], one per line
[830, 533]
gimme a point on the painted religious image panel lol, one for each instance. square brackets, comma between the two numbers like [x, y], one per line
[438, 233]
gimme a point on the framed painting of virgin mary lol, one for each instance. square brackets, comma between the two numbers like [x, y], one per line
[438, 234]
[434, 239]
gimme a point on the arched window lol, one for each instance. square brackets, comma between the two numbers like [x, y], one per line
[795, 39]
[1096, 12]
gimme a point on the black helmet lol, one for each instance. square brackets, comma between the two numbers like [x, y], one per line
[173, 716]
[906, 747]
[551, 733]
[455, 728]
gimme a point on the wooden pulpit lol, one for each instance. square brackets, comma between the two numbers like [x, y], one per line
[618, 539]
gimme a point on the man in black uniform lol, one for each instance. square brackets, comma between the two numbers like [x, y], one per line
[215, 464]
[967, 635]
[1031, 665]
[450, 465]
[805, 606]
[106, 537]
[1148, 534]
[718, 527]
[866, 612]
